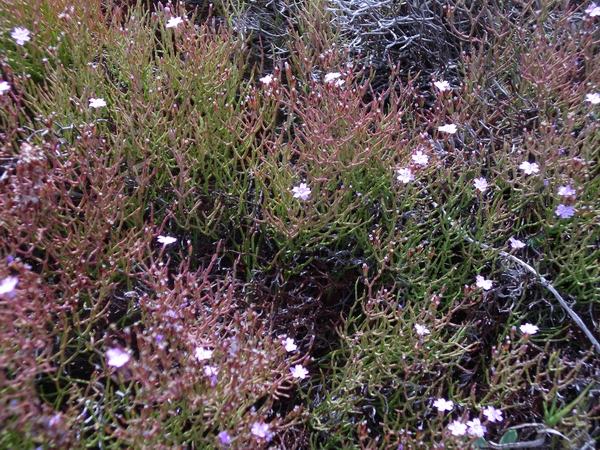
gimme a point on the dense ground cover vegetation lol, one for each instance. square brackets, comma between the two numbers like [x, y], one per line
[312, 224]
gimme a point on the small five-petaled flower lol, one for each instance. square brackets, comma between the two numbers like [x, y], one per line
[4, 86]
[457, 428]
[420, 158]
[492, 414]
[97, 103]
[290, 345]
[20, 35]
[566, 191]
[484, 284]
[166, 240]
[442, 85]
[298, 371]
[564, 212]
[405, 175]
[261, 430]
[475, 428]
[593, 10]
[528, 329]
[529, 168]
[443, 405]
[594, 97]
[202, 354]
[515, 243]
[481, 184]
[7, 286]
[421, 330]
[448, 128]
[173, 22]
[302, 192]
[117, 357]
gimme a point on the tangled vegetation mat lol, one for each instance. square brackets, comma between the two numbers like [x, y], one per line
[334, 224]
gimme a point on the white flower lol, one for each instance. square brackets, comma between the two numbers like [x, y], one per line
[290, 345]
[481, 184]
[302, 192]
[97, 102]
[529, 329]
[117, 357]
[515, 243]
[267, 80]
[593, 10]
[493, 414]
[4, 86]
[449, 128]
[20, 35]
[8, 285]
[474, 428]
[566, 191]
[202, 354]
[420, 158]
[334, 78]
[442, 85]
[483, 283]
[443, 405]
[457, 428]
[173, 22]
[298, 371]
[421, 330]
[594, 97]
[529, 168]
[405, 175]
[166, 240]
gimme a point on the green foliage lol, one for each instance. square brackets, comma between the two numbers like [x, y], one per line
[374, 278]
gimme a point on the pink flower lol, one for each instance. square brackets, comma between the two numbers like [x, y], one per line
[290, 345]
[302, 192]
[7, 286]
[515, 243]
[166, 240]
[564, 212]
[421, 330]
[594, 97]
[4, 86]
[449, 128]
[442, 85]
[481, 184]
[593, 10]
[116, 357]
[173, 22]
[529, 168]
[97, 103]
[405, 175]
[484, 284]
[261, 430]
[474, 428]
[20, 35]
[210, 371]
[457, 428]
[493, 414]
[225, 438]
[298, 371]
[203, 354]
[566, 191]
[529, 329]
[443, 405]
[420, 158]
